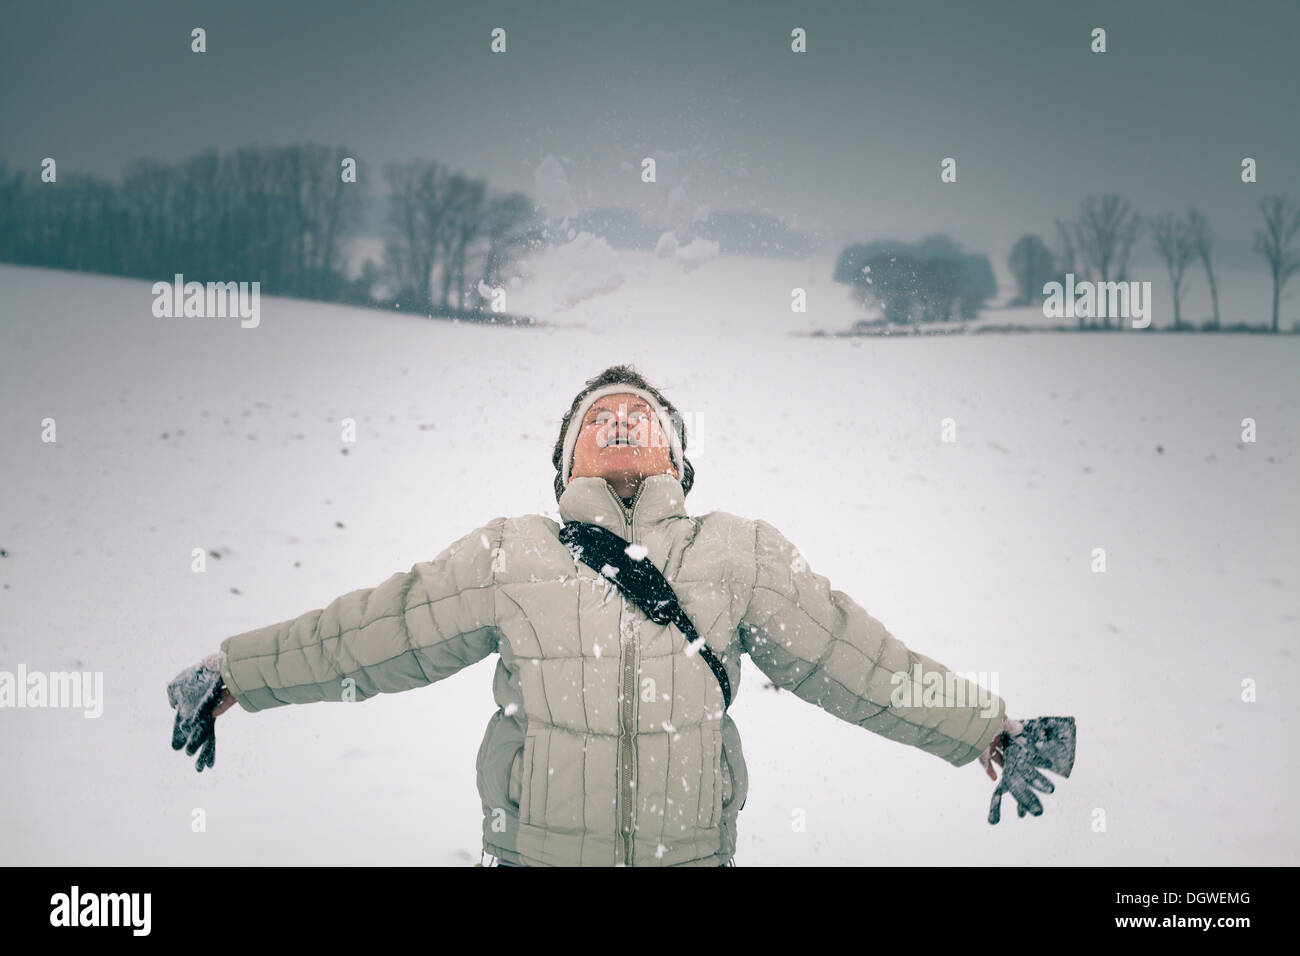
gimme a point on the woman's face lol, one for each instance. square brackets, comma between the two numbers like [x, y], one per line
[621, 441]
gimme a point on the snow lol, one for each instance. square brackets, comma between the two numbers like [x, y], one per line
[696, 253]
[590, 267]
[976, 553]
[690, 256]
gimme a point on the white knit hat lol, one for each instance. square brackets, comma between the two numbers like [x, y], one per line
[615, 388]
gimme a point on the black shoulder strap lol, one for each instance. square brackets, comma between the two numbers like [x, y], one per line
[641, 582]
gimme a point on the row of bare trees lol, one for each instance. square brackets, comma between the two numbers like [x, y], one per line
[1180, 240]
[280, 216]
[1184, 239]
[1099, 245]
[449, 238]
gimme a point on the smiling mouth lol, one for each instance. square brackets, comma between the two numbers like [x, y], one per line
[623, 442]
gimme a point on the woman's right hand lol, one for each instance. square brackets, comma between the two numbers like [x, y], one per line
[227, 701]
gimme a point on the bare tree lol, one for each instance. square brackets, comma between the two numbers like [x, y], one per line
[439, 192]
[506, 226]
[402, 252]
[323, 207]
[1202, 239]
[464, 210]
[1173, 239]
[1104, 235]
[1273, 242]
[417, 213]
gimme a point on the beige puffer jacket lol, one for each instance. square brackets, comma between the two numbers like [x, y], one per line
[609, 745]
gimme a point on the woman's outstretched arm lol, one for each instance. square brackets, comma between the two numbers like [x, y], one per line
[416, 628]
[822, 646]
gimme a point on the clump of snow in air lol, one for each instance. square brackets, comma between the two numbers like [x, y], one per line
[609, 571]
[511, 709]
[696, 253]
[636, 551]
[690, 256]
[592, 268]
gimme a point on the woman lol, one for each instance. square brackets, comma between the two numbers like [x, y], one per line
[610, 744]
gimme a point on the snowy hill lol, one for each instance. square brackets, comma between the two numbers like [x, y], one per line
[176, 434]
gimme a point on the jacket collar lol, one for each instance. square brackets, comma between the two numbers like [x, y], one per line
[593, 500]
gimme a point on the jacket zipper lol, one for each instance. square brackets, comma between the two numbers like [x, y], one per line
[629, 677]
[627, 744]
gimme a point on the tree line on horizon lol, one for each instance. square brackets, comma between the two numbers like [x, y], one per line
[281, 216]
[1098, 245]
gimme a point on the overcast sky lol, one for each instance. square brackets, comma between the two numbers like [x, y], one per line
[846, 138]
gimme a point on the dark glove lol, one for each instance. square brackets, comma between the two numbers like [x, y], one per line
[195, 693]
[1044, 742]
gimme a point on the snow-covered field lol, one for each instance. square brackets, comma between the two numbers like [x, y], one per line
[175, 434]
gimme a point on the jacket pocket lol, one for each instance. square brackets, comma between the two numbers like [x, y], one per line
[728, 780]
[514, 784]
[525, 759]
[715, 814]
[735, 775]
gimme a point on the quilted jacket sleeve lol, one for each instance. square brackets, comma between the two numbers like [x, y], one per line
[417, 627]
[819, 644]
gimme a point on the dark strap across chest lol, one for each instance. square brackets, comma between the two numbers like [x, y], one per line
[641, 583]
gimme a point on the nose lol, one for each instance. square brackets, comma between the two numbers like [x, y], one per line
[618, 431]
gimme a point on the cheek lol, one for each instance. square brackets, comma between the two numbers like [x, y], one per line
[659, 443]
[587, 445]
